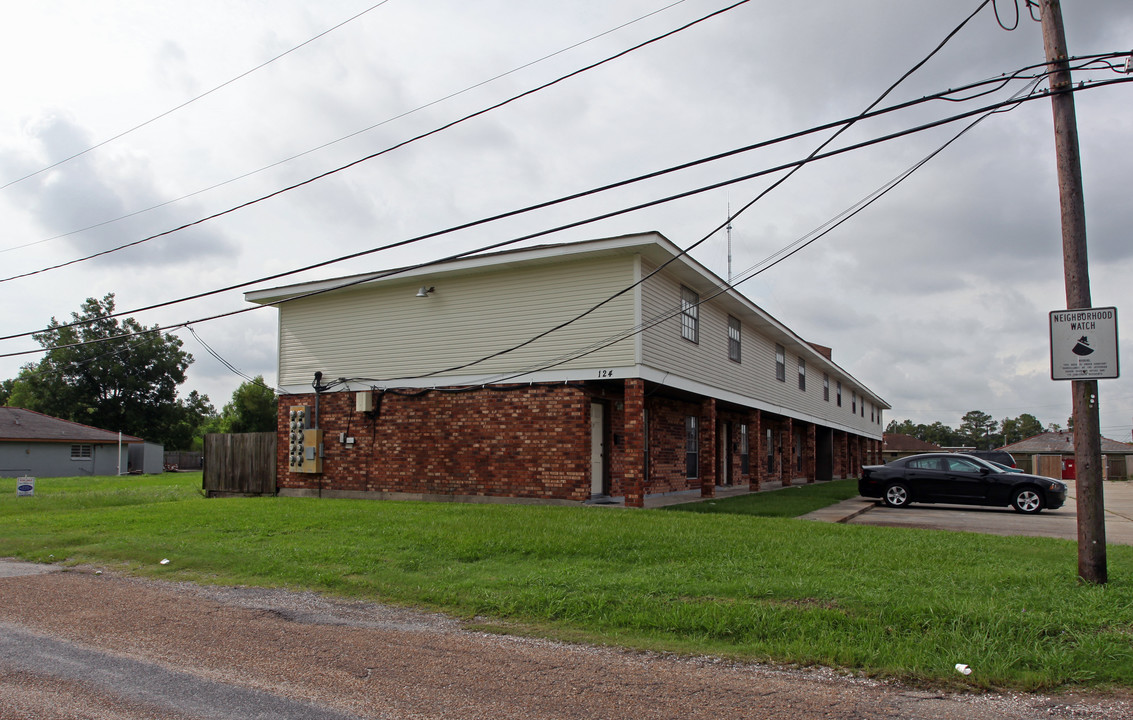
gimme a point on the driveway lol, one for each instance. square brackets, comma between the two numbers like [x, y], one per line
[1060, 523]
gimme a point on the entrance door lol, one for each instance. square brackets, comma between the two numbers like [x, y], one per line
[724, 476]
[597, 449]
[823, 453]
[1069, 468]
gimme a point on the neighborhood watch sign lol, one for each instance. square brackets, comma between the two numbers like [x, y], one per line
[1083, 344]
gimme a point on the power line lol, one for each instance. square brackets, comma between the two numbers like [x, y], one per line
[746, 275]
[391, 148]
[549, 203]
[593, 219]
[219, 358]
[192, 100]
[350, 135]
[727, 222]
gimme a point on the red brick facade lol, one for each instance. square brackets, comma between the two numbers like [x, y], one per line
[530, 442]
[535, 442]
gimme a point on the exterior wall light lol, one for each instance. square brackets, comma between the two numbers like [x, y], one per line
[424, 291]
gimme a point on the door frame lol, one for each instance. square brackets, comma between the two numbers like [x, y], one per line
[600, 443]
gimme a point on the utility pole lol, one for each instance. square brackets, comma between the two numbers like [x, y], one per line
[1087, 431]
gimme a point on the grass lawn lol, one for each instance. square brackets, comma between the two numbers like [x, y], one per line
[880, 601]
[789, 502]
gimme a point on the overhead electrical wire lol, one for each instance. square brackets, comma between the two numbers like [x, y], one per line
[371, 156]
[219, 358]
[732, 216]
[192, 100]
[487, 220]
[350, 135]
[544, 204]
[369, 278]
[779, 256]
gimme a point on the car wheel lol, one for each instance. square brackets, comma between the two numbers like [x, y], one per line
[897, 495]
[1027, 500]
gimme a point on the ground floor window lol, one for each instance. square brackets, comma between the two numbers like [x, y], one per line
[82, 452]
[770, 451]
[692, 448]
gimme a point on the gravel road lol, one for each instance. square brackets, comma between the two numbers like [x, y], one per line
[76, 644]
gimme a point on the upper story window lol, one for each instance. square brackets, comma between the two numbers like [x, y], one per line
[871, 412]
[733, 339]
[854, 402]
[838, 391]
[690, 315]
[826, 387]
[802, 374]
[780, 364]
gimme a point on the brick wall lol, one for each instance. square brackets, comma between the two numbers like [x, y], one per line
[667, 445]
[531, 442]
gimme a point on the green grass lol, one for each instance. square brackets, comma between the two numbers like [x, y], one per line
[880, 601]
[788, 502]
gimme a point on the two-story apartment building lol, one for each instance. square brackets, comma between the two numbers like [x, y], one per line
[611, 368]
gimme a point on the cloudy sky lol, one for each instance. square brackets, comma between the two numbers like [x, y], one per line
[936, 296]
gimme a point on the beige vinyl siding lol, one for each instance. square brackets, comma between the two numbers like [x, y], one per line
[384, 331]
[707, 362]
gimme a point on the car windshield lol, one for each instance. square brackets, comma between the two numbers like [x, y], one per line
[993, 466]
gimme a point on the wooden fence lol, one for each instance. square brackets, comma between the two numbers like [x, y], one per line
[182, 460]
[239, 464]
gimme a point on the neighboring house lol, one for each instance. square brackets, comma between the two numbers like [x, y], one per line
[671, 383]
[38, 445]
[898, 445]
[1051, 454]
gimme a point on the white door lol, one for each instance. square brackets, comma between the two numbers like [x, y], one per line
[597, 449]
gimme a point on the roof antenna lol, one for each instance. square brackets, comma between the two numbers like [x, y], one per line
[729, 229]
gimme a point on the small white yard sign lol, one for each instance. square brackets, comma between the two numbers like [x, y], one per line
[25, 486]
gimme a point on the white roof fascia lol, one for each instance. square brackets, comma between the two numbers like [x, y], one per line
[651, 245]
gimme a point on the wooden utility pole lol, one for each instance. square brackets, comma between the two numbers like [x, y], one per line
[1087, 431]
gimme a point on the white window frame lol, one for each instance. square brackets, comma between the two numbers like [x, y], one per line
[735, 336]
[690, 315]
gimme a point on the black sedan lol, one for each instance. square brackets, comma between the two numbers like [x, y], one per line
[959, 479]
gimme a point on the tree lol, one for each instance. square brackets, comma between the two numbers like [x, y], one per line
[128, 385]
[1009, 428]
[1029, 426]
[976, 425]
[252, 409]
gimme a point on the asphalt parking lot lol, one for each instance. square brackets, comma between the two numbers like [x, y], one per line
[1060, 523]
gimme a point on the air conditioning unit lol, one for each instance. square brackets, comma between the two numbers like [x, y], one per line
[364, 401]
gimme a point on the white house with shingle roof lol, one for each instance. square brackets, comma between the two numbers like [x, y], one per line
[38, 445]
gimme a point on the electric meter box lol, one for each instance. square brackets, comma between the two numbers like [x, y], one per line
[304, 443]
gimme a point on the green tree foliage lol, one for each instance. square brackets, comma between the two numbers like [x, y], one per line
[976, 429]
[1028, 426]
[128, 385]
[252, 409]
